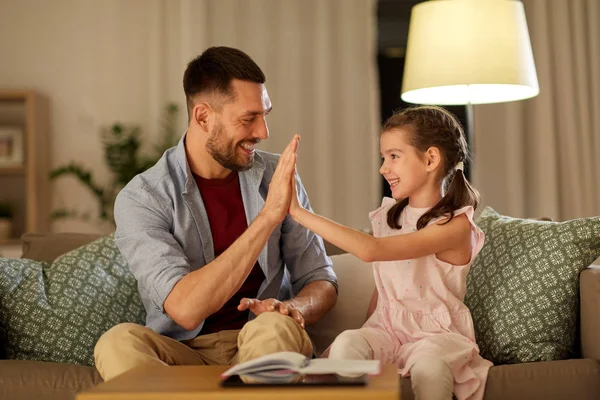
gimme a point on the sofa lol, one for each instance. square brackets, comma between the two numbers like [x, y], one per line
[574, 378]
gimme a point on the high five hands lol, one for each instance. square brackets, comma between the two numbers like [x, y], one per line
[280, 193]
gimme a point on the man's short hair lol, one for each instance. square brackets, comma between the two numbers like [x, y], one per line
[213, 71]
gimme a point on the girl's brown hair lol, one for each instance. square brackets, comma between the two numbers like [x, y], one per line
[432, 126]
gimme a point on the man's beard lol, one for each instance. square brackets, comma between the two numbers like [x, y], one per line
[224, 151]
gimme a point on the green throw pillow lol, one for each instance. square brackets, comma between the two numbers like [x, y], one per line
[57, 312]
[523, 288]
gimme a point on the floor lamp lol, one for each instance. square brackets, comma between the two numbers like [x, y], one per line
[465, 52]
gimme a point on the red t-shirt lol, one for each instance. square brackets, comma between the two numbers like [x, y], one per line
[227, 217]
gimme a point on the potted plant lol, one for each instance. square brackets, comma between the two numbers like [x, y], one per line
[122, 153]
[6, 220]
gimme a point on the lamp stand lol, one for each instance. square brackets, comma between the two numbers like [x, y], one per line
[470, 141]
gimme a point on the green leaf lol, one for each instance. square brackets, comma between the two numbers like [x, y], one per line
[121, 145]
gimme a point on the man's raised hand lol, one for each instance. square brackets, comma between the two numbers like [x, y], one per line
[280, 191]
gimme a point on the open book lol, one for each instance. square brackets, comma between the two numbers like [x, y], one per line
[286, 363]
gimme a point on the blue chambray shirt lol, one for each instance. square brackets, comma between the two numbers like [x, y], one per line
[164, 233]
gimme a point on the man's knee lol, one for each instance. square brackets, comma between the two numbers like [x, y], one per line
[271, 332]
[115, 336]
[272, 322]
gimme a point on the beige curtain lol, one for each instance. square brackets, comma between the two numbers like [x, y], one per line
[541, 157]
[113, 60]
[319, 57]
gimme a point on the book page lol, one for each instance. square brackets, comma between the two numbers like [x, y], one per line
[285, 360]
[329, 366]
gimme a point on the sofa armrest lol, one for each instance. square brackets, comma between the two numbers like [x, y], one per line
[589, 295]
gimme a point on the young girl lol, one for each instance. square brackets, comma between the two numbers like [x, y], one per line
[423, 245]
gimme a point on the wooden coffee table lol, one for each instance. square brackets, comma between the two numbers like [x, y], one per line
[202, 382]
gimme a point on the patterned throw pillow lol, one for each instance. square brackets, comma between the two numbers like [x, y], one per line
[523, 288]
[57, 312]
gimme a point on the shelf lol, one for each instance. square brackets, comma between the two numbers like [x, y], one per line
[16, 170]
[10, 242]
[27, 184]
[15, 95]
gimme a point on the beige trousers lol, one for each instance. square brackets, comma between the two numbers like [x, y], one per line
[129, 345]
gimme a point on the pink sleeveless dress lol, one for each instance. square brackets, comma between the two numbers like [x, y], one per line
[420, 310]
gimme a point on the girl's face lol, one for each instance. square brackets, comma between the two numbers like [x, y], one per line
[404, 167]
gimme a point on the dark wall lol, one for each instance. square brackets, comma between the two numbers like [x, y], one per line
[393, 17]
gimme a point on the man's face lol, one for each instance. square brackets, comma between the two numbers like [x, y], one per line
[240, 125]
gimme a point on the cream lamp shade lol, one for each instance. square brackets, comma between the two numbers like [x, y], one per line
[468, 52]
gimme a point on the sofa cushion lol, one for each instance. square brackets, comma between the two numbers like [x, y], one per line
[355, 288]
[57, 313]
[567, 379]
[523, 287]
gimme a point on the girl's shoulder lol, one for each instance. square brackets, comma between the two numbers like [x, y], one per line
[386, 204]
[467, 211]
[378, 218]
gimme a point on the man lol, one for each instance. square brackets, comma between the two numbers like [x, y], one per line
[206, 234]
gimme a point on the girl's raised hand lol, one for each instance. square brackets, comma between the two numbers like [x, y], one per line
[277, 203]
[294, 203]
